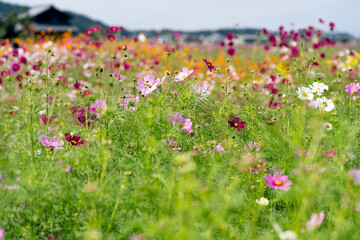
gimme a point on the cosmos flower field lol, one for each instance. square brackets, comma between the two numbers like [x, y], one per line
[104, 137]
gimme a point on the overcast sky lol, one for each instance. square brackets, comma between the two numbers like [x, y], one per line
[214, 14]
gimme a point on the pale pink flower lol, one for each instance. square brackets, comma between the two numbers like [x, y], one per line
[129, 102]
[147, 84]
[51, 142]
[352, 88]
[182, 75]
[219, 148]
[315, 221]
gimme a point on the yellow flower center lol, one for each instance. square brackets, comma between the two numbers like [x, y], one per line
[73, 141]
[353, 90]
[304, 94]
[277, 182]
[236, 124]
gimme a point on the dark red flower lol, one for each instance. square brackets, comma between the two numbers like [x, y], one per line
[229, 36]
[236, 123]
[74, 140]
[332, 26]
[231, 51]
[209, 65]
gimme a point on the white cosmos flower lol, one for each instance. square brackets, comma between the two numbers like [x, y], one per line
[287, 235]
[325, 104]
[263, 201]
[304, 93]
[318, 88]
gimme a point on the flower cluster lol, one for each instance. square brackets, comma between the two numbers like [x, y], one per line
[316, 89]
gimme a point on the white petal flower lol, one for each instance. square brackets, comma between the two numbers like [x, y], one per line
[305, 93]
[287, 235]
[318, 88]
[263, 201]
[325, 104]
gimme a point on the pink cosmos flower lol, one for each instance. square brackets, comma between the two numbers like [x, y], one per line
[118, 76]
[251, 146]
[172, 144]
[182, 75]
[180, 122]
[352, 88]
[2, 234]
[278, 181]
[51, 142]
[219, 148]
[177, 35]
[129, 102]
[68, 169]
[300, 153]
[330, 154]
[99, 106]
[147, 85]
[357, 208]
[315, 221]
[355, 175]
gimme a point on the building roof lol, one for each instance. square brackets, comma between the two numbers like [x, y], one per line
[35, 11]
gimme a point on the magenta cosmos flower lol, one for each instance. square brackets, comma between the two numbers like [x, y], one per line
[209, 65]
[278, 181]
[315, 221]
[352, 88]
[182, 75]
[45, 120]
[111, 37]
[236, 123]
[147, 85]
[51, 142]
[180, 122]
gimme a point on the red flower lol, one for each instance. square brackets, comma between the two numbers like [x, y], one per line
[332, 26]
[236, 123]
[74, 140]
